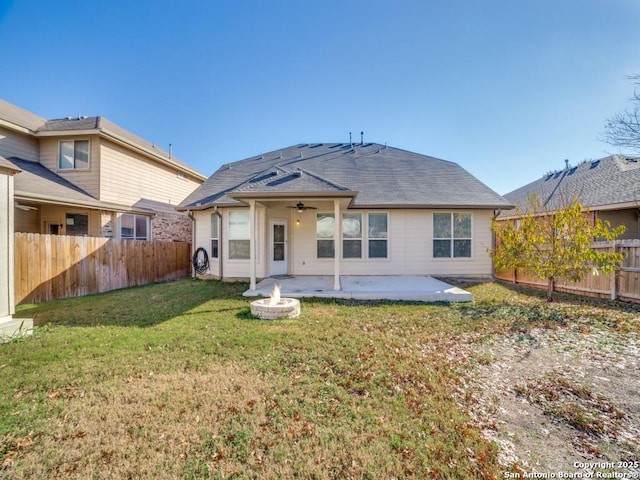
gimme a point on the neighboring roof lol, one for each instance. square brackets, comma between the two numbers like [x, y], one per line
[7, 165]
[28, 122]
[107, 127]
[378, 176]
[39, 184]
[604, 184]
[19, 117]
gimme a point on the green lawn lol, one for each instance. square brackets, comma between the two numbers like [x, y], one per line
[177, 380]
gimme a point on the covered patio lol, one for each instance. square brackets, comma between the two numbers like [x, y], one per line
[403, 288]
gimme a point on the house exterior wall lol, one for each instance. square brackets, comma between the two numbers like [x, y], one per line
[14, 144]
[127, 177]
[410, 246]
[27, 221]
[171, 227]
[629, 217]
[87, 179]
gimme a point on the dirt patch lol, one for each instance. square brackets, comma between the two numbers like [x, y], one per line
[553, 397]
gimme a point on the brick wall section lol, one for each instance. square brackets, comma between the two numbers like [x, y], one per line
[171, 227]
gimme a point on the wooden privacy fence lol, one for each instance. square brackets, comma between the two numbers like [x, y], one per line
[621, 285]
[59, 266]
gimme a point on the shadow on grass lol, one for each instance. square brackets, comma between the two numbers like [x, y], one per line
[143, 306]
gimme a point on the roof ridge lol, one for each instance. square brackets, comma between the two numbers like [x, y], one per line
[322, 179]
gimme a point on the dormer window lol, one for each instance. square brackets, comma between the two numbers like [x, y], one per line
[73, 155]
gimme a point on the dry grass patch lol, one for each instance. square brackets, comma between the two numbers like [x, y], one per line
[141, 426]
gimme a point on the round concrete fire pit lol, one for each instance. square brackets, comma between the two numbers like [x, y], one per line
[267, 309]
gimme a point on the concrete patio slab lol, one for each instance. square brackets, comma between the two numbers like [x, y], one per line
[404, 288]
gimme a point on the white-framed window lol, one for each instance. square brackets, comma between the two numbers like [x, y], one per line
[73, 155]
[452, 235]
[215, 236]
[239, 235]
[351, 235]
[134, 227]
[378, 234]
[325, 242]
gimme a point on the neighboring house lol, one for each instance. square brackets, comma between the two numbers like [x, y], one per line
[343, 209]
[88, 176]
[608, 187]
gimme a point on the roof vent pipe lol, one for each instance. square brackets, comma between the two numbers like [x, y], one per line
[566, 163]
[350, 141]
[170, 150]
[361, 138]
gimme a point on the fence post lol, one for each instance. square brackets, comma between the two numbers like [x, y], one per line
[614, 274]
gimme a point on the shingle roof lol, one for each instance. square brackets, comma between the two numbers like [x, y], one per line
[20, 117]
[383, 177]
[598, 184]
[38, 183]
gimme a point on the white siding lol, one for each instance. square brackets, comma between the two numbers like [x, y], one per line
[410, 247]
[14, 144]
[127, 177]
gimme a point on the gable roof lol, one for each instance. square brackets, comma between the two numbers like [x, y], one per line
[604, 184]
[19, 118]
[376, 176]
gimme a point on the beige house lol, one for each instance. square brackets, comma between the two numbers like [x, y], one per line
[88, 176]
[343, 209]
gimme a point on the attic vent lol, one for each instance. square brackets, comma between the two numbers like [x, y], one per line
[336, 145]
[548, 177]
[557, 174]
[594, 164]
[632, 160]
[296, 174]
[316, 145]
[572, 171]
[302, 145]
[367, 144]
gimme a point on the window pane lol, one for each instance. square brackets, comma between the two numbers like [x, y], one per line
[377, 225]
[214, 225]
[77, 224]
[66, 155]
[462, 225]
[352, 225]
[326, 249]
[441, 225]
[462, 248]
[324, 225]
[377, 249]
[82, 154]
[352, 249]
[239, 249]
[442, 248]
[278, 233]
[126, 226]
[214, 248]
[278, 252]
[238, 224]
[141, 227]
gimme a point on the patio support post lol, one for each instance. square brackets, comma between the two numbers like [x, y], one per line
[337, 244]
[252, 243]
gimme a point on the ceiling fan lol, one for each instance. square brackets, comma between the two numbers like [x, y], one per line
[301, 207]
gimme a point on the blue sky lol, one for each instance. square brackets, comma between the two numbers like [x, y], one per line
[507, 89]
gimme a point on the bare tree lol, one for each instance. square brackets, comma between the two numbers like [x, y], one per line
[623, 129]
